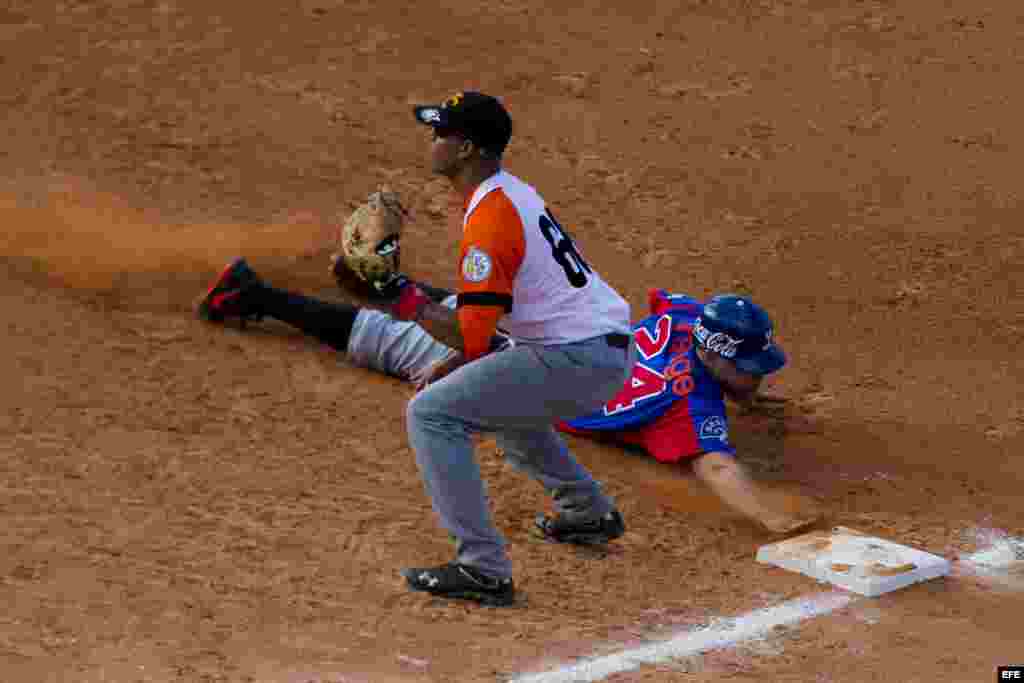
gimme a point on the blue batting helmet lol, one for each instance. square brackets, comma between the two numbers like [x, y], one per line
[736, 328]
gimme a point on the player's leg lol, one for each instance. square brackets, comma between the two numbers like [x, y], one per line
[328, 322]
[380, 342]
[585, 514]
[239, 293]
[543, 455]
[514, 392]
[370, 338]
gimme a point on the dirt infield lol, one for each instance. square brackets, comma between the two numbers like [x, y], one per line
[182, 502]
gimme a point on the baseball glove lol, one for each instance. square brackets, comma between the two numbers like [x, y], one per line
[367, 259]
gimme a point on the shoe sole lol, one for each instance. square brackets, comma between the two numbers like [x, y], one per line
[486, 599]
[482, 598]
[588, 538]
[578, 539]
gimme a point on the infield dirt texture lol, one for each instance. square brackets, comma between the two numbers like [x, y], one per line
[181, 502]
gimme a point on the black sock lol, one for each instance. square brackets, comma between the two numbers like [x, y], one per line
[331, 323]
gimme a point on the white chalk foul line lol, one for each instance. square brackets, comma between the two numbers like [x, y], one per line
[1004, 553]
[722, 633]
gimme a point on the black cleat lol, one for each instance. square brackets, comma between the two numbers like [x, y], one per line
[227, 298]
[454, 580]
[596, 531]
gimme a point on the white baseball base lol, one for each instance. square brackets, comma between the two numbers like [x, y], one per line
[854, 561]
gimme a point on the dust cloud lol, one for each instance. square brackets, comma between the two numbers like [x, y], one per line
[92, 242]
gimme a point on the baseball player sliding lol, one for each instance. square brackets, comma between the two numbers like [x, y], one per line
[658, 384]
[691, 355]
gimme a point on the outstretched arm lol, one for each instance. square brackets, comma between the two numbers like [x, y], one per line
[730, 481]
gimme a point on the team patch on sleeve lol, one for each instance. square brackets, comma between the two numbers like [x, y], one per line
[476, 265]
[713, 427]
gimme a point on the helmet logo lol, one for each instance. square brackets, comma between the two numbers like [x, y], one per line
[453, 101]
[718, 342]
[767, 341]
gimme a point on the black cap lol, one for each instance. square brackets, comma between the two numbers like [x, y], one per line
[479, 118]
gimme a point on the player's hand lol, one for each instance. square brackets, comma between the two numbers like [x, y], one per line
[408, 300]
[438, 371]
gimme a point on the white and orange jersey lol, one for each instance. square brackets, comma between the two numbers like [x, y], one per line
[522, 272]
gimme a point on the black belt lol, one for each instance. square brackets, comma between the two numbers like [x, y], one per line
[617, 340]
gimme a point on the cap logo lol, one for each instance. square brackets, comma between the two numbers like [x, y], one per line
[453, 101]
[767, 341]
[717, 342]
[430, 115]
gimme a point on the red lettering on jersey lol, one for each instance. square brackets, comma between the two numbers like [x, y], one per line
[678, 370]
[677, 365]
[682, 386]
[650, 347]
[644, 383]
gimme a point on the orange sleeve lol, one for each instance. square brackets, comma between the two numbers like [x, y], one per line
[478, 324]
[493, 248]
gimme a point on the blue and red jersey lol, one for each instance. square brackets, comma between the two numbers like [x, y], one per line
[672, 406]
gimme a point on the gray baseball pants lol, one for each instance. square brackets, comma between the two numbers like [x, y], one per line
[517, 395]
[394, 347]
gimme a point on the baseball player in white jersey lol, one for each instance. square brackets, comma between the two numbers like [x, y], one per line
[521, 272]
[522, 275]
